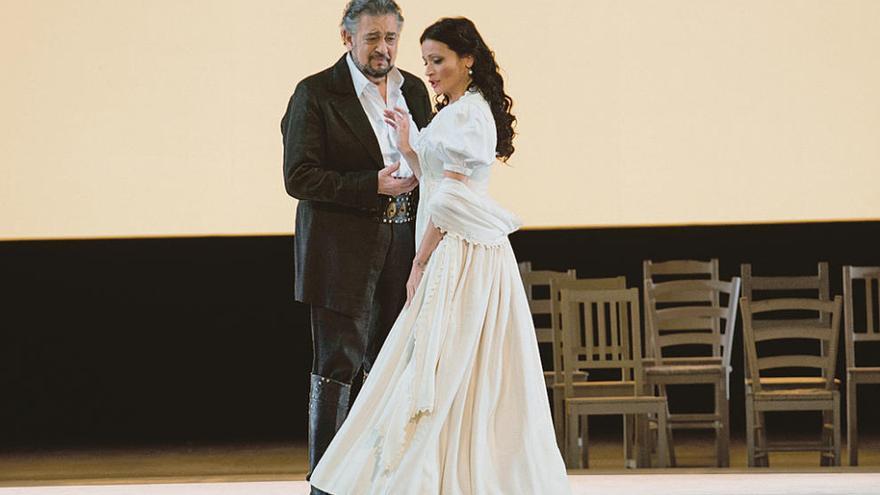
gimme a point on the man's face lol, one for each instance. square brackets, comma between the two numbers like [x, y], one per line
[374, 45]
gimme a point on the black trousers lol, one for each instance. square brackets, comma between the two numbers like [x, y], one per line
[344, 345]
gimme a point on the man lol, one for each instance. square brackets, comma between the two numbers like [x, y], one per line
[354, 241]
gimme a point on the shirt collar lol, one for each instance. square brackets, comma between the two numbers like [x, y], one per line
[395, 78]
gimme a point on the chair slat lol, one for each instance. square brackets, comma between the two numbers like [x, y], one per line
[690, 312]
[865, 272]
[792, 332]
[686, 338]
[786, 283]
[600, 330]
[794, 322]
[792, 361]
[791, 304]
[588, 335]
[678, 286]
[614, 340]
[545, 335]
[685, 324]
[539, 306]
[869, 306]
[685, 296]
[680, 267]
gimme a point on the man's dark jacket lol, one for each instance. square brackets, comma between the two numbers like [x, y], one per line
[331, 165]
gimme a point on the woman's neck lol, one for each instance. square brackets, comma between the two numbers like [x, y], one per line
[455, 95]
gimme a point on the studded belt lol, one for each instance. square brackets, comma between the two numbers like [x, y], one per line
[398, 209]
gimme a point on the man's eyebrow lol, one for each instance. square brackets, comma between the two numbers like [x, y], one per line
[377, 32]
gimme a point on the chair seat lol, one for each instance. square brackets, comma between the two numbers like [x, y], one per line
[650, 361]
[788, 382]
[600, 384]
[633, 399]
[684, 369]
[794, 394]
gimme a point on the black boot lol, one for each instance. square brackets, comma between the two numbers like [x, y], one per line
[328, 407]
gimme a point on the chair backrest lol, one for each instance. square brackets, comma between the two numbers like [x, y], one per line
[556, 287]
[667, 271]
[680, 269]
[759, 288]
[601, 331]
[540, 304]
[693, 327]
[790, 337]
[863, 325]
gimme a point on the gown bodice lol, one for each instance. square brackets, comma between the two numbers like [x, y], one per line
[461, 138]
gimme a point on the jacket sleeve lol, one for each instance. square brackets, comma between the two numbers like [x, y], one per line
[306, 172]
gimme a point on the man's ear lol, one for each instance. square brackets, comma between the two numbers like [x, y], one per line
[346, 38]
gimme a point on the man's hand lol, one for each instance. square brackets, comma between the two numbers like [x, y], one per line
[392, 186]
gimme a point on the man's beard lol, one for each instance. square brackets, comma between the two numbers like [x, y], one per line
[374, 73]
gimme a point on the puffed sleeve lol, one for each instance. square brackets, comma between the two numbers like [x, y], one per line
[468, 140]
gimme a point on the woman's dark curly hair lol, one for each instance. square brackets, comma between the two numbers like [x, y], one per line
[461, 36]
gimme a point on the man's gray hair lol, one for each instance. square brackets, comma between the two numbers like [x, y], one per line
[355, 8]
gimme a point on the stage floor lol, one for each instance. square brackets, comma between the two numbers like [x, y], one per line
[269, 469]
[608, 484]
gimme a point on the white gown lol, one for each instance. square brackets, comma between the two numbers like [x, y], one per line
[455, 403]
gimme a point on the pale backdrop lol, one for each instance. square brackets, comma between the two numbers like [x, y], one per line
[127, 118]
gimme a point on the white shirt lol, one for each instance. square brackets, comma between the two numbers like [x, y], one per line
[374, 106]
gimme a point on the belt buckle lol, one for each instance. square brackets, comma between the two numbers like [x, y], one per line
[391, 210]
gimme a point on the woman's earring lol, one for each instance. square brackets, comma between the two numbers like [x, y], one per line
[470, 71]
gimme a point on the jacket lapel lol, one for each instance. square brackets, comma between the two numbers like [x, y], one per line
[349, 108]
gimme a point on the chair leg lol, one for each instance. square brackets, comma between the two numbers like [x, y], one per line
[645, 441]
[836, 437]
[559, 418]
[722, 425]
[629, 440]
[662, 438]
[584, 447]
[762, 439]
[572, 434]
[827, 438]
[670, 441]
[852, 425]
[750, 433]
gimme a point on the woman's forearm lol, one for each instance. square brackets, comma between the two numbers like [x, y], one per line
[430, 240]
[412, 159]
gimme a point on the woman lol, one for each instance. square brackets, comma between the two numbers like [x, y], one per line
[455, 403]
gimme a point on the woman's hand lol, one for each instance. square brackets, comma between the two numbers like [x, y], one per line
[415, 278]
[398, 119]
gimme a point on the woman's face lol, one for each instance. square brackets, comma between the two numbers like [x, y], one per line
[446, 71]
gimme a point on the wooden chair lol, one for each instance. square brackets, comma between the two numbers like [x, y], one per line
[540, 306]
[601, 332]
[867, 330]
[756, 288]
[695, 327]
[763, 393]
[582, 386]
[666, 271]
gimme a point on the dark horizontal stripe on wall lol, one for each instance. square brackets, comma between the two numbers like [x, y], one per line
[198, 339]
